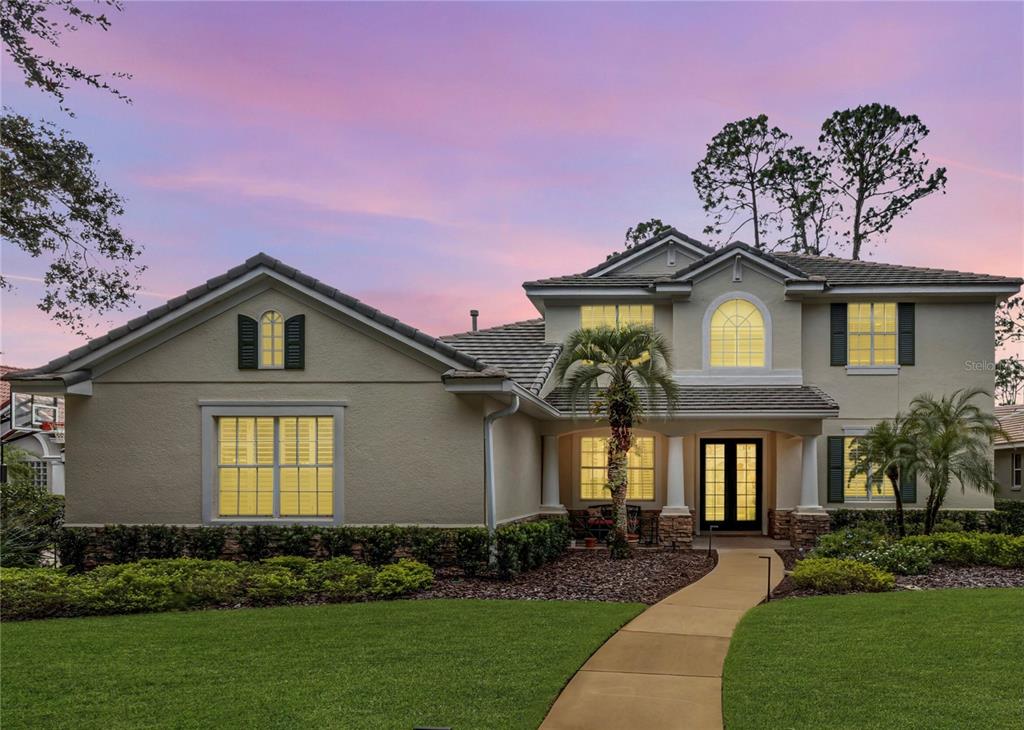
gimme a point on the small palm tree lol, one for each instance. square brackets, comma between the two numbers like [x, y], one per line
[952, 439]
[614, 364]
[886, 450]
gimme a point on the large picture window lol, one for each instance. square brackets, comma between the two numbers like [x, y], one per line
[856, 488]
[275, 466]
[736, 336]
[871, 328]
[594, 469]
[615, 315]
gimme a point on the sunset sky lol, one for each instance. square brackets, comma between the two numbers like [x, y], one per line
[430, 158]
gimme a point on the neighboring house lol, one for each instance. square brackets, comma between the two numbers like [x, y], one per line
[35, 425]
[267, 396]
[1009, 458]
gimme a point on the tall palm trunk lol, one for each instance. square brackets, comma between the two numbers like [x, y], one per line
[620, 419]
[894, 478]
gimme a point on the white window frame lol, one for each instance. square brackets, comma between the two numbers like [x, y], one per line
[1016, 470]
[873, 368]
[212, 410]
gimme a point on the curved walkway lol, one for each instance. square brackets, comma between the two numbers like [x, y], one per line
[664, 668]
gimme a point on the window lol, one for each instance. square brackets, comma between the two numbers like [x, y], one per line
[872, 333]
[272, 340]
[857, 487]
[40, 474]
[594, 468]
[275, 466]
[615, 315]
[1018, 471]
[736, 337]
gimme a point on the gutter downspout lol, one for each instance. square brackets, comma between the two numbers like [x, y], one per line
[489, 419]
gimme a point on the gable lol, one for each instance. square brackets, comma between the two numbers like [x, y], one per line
[203, 348]
[664, 260]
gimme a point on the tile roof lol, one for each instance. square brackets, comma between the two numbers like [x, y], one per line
[1011, 419]
[626, 280]
[696, 399]
[255, 262]
[847, 272]
[517, 348]
[741, 246]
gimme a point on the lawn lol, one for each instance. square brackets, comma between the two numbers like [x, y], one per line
[930, 659]
[466, 664]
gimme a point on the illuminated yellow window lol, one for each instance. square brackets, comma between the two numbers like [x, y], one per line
[871, 333]
[615, 315]
[272, 340]
[290, 458]
[736, 336]
[714, 482]
[594, 468]
[856, 487]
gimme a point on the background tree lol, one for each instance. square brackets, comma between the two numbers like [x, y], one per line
[614, 364]
[644, 230]
[53, 204]
[885, 451]
[735, 176]
[952, 439]
[877, 167]
[802, 189]
[1009, 380]
[1009, 330]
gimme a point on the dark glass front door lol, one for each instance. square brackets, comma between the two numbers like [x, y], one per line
[730, 484]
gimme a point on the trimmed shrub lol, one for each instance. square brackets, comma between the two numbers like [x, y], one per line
[296, 540]
[849, 542]
[296, 564]
[35, 593]
[268, 584]
[127, 588]
[973, 548]
[427, 544]
[472, 550]
[380, 543]
[337, 541]
[255, 542]
[125, 542]
[402, 577]
[162, 541]
[341, 578]
[901, 558]
[834, 575]
[1008, 517]
[205, 543]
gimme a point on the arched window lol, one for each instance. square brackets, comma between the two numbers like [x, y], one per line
[736, 336]
[272, 340]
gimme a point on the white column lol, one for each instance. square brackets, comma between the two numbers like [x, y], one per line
[549, 476]
[809, 477]
[675, 498]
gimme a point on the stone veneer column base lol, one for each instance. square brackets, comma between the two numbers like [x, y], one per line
[675, 529]
[805, 527]
[778, 523]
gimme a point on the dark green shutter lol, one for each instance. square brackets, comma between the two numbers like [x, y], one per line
[908, 486]
[905, 316]
[248, 343]
[835, 469]
[295, 342]
[837, 327]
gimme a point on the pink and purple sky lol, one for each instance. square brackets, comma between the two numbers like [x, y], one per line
[430, 158]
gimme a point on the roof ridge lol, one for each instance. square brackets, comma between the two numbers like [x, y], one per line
[492, 328]
[869, 262]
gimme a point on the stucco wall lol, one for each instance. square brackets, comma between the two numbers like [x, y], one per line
[1004, 474]
[413, 453]
[561, 319]
[517, 465]
[657, 262]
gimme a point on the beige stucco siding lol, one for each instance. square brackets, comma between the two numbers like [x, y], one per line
[1004, 474]
[517, 464]
[562, 319]
[413, 453]
[657, 262]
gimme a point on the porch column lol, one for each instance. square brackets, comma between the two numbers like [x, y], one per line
[809, 477]
[675, 497]
[549, 477]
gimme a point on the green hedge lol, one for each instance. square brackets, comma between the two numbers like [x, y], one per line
[518, 546]
[1008, 518]
[972, 548]
[836, 575]
[187, 583]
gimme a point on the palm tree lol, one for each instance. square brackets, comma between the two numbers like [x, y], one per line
[886, 450]
[952, 439]
[617, 363]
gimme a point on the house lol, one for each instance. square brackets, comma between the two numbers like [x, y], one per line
[1009, 457]
[34, 425]
[268, 396]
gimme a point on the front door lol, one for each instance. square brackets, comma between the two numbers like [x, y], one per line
[730, 481]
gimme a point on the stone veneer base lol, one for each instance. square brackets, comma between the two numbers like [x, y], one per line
[806, 527]
[675, 530]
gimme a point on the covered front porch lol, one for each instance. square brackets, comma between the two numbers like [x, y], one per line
[692, 477]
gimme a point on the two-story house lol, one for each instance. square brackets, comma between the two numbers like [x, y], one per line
[267, 396]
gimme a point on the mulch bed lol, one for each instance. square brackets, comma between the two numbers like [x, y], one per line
[938, 576]
[585, 575]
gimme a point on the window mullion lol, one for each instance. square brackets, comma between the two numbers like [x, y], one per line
[277, 468]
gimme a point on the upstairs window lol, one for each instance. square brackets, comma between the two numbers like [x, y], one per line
[872, 330]
[616, 315]
[736, 337]
[272, 340]
[594, 469]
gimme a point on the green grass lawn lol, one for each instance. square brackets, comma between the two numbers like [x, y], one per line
[930, 659]
[466, 664]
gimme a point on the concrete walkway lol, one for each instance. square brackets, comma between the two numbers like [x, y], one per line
[664, 668]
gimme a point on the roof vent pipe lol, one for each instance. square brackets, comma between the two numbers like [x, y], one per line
[473, 314]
